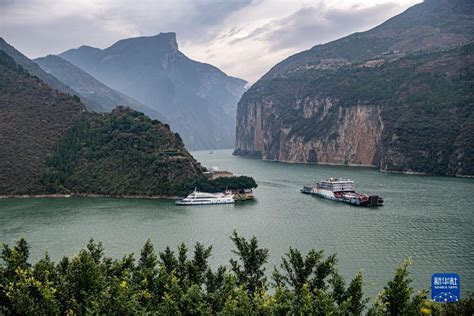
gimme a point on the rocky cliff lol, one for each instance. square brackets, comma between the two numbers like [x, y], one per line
[398, 97]
[198, 99]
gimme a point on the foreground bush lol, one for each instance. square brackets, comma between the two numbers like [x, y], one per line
[179, 282]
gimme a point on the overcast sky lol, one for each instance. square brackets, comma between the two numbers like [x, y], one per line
[244, 38]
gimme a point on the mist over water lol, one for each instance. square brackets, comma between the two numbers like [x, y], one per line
[429, 219]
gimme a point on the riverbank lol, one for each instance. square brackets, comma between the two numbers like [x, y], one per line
[414, 173]
[55, 196]
[356, 166]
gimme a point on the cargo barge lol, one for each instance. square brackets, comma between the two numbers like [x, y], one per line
[342, 190]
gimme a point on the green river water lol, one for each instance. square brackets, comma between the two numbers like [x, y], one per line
[429, 219]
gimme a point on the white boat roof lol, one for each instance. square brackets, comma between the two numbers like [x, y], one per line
[201, 195]
[335, 180]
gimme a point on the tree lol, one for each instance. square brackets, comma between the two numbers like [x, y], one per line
[355, 296]
[198, 266]
[91, 283]
[249, 268]
[76, 98]
[396, 298]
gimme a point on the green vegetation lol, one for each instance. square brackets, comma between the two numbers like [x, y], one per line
[125, 153]
[222, 184]
[180, 283]
[33, 117]
[121, 153]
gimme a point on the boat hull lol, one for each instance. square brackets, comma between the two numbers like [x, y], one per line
[371, 200]
[205, 202]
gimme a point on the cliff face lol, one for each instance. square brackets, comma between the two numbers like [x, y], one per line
[351, 136]
[198, 99]
[360, 101]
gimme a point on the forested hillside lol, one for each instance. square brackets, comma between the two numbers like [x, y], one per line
[33, 116]
[119, 154]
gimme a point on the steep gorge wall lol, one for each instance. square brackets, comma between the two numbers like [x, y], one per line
[347, 135]
[407, 114]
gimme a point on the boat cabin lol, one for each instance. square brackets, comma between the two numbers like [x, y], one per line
[337, 185]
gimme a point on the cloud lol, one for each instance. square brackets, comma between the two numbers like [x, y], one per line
[274, 30]
[244, 38]
[314, 25]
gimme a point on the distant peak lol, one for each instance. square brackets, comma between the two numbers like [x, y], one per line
[86, 47]
[169, 38]
[168, 35]
[161, 41]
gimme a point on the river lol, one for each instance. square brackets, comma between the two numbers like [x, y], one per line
[428, 219]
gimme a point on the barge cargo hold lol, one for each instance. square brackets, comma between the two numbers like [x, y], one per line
[343, 191]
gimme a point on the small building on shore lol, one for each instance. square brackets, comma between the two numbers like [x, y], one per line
[241, 194]
[215, 173]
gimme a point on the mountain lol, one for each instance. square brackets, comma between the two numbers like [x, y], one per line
[52, 144]
[398, 97]
[49, 79]
[33, 116]
[88, 86]
[198, 99]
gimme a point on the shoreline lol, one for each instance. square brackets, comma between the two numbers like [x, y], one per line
[81, 195]
[357, 166]
[414, 173]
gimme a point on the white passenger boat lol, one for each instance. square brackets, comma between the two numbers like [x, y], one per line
[204, 198]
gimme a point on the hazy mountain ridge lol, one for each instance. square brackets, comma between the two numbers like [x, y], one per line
[198, 99]
[372, 98]
[36, 70]
[88, 86]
